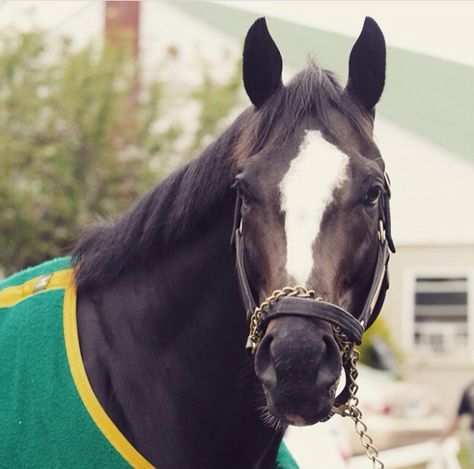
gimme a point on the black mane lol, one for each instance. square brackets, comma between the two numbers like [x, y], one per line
[173, 209]
[162, 217]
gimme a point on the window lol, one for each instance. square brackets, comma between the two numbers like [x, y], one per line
[441, 322]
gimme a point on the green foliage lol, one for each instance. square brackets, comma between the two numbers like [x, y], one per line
[77, 140]
[378, 331]
[216, 100]
[464, 456]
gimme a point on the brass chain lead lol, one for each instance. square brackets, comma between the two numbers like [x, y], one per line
[348, 352]
[351, 408]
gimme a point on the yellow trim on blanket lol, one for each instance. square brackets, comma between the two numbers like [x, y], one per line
[101, 419]
[9, 296]
[64, 279]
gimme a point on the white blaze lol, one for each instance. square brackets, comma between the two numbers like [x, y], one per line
[306, 190]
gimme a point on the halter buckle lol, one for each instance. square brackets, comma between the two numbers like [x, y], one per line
[240, 228]
[381, 232]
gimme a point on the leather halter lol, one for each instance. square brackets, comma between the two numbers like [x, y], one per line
[352, 326]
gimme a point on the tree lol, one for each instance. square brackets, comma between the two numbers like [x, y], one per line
[70, 148]
[379, 349]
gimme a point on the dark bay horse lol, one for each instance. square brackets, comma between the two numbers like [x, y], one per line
[161, 316]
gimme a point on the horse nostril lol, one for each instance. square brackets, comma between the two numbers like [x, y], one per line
[331, 347]
[333, 356]
[264, 365]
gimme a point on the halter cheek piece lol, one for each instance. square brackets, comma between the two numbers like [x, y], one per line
[297, 301]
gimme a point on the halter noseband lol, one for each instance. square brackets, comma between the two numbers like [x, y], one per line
[297, 301]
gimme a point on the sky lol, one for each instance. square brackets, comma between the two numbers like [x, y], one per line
[440, 28]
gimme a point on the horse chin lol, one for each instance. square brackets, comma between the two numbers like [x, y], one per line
[300, 411]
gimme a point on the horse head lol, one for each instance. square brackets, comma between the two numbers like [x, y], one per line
[312, 222]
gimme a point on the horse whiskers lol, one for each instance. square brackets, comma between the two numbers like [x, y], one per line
[270, 420]
[246, 376]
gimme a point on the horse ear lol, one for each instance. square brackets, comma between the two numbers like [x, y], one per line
[367, 66]
[262, 64]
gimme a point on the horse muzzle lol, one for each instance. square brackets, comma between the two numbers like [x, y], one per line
[299, 364]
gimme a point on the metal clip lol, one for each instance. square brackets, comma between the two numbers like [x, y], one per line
[344, 410]
[381, 232]
[239, 229]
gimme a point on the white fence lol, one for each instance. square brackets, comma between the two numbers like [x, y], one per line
[434, 455]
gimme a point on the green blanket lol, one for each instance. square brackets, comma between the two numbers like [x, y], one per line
[49, 415]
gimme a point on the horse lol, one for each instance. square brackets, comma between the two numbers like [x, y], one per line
[210, 316]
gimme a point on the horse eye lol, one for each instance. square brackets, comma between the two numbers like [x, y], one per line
[372, 196]
[243, 189]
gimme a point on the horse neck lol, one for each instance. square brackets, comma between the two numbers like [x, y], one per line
[164, 350]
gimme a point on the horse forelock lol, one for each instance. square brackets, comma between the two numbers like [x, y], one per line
[312, 93]
[169, 213]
